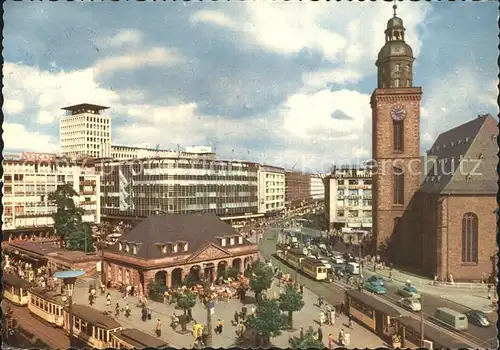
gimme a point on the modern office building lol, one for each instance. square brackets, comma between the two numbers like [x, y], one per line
[28, 181]
[129, 152]
[144, 187]
[348, 198]
[297, 188]
[316, 187]
[85, 132]
[271, 189]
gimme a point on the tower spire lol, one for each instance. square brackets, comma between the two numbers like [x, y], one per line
[395, 7]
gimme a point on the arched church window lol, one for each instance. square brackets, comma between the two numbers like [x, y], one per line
[470, 238]
[399, 186]
[398, 135]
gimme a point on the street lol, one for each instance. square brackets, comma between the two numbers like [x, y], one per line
[482, 336]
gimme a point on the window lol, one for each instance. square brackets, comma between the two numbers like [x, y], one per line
[398, 135]
[175, 248]
[396, 67]
[120, 246]
[470, 238]
[185, 247]
[134, 249]
[396, 83]
[223, 242]
[399, 185]
[231, 241]
[240, 240]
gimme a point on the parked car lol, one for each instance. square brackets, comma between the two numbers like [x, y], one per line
[409, 292]
[478, 318]
[410, 304]
[376, 280]
[375, 288]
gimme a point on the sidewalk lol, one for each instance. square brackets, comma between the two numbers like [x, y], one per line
[360, 337]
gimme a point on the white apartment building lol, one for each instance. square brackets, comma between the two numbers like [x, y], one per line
[316, 187]
[128, 152]
[348, 198]
[85, 132]
[30, 179]
[271, 189]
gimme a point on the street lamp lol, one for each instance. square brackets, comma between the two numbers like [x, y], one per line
[207, 301]
[69, 279]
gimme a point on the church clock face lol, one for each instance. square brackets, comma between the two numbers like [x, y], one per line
[398, 113]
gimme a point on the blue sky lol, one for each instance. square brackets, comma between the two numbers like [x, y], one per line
[282, 83]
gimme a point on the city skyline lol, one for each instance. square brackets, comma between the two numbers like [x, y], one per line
[299, 103]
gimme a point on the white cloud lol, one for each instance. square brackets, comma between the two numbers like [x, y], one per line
[309, 115]
[321, 79]
[16, 137]
[12, 106]
[154, 57]
[125, 37]
[213, 17]
[46, 92]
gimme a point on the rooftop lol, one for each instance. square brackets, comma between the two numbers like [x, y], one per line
[83, 106]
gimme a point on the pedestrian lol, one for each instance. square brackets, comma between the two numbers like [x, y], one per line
[320, 301]
[108, 300]
[331, 343]
[117, 310]
[301, 333]
[158, 327]
[127, 311]
[301, 289]
[351, 324]
[218, 328]
[236, 317]
[150, 313]
[320, 334]
[332, 318]
[341, 337]
[347, 339]
[321, 318]
[144, 314]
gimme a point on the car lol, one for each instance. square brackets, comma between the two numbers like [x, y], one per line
[410, 304]
[478, 318]
[376, 280]
[409, 292]
[337, 259]
[375, 288]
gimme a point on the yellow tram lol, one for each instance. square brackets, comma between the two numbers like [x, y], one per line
[314, 268]
[15, 289]
[93, 327]
[134, 339]
[47, 305]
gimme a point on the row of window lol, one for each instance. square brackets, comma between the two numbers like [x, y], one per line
[42, 304]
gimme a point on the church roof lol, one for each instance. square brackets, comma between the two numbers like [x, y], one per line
[465, 159]
[196, 229]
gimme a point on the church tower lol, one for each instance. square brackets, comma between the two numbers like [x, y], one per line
[395, 107]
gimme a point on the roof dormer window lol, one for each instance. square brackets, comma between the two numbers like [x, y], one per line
[127, 247]
[223, 242]
[120, 246]
[460, 142]
[467, 139]
[452, 143]
[175, 248]
[164, 249]
[231, 241]
[134, 249]
[481, 156]
[240, 240]
[185, 247]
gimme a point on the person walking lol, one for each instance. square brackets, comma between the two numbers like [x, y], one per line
[127, 311]
[158, 328]
[331, 343]
[351, 323]
[320, 301]
[321, 318]
[341, 337]
[320, 334]
[332, 317]
[218, 327]
[301, 333]
[117, 310]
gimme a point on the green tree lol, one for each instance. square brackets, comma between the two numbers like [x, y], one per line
[268, 321]
[261, 278]
[81, 238]
[156, 290]
[68, 222]
[309, 341]
[186, 302]
[291, 301]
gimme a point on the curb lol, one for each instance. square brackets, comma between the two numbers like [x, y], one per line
[486, 311]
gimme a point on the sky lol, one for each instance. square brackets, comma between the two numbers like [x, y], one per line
[280, 83]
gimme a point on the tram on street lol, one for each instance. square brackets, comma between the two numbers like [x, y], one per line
[311, 267]
[92, 327]
[131, 338]
[47, 305]
[16, 289]
[377, 316]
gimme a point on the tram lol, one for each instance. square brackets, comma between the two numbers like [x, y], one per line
[131, 338]
[309, 266]
[47, 305]
[92, 327]
[16, 289]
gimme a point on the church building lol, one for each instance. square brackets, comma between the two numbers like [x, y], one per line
[440, 221]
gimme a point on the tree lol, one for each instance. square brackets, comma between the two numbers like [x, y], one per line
[156, 290]
[68, 222]
[291, 301]
[186, 302]
[268, 321]
[309, 341]
[261, 278]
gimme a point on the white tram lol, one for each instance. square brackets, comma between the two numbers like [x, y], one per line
[15, 289]
[47, 305]
[131, 338]
[92, 327]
